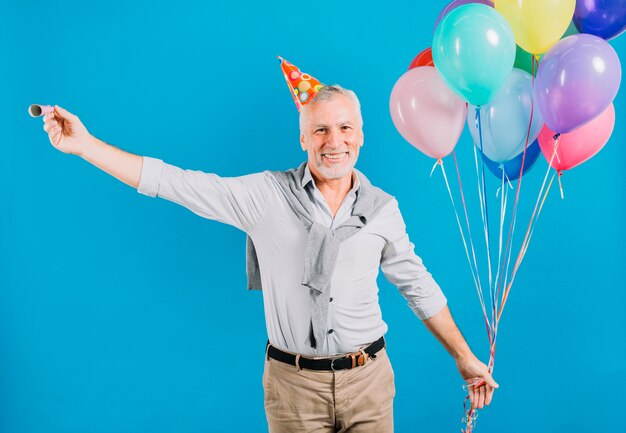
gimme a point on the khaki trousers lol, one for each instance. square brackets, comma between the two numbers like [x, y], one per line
[358, 400]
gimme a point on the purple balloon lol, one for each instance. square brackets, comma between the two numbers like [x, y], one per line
[455, 4]
[604, 18]
[577, 79]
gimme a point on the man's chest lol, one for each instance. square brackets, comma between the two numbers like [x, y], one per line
[283, 237]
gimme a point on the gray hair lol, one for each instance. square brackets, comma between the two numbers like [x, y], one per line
[327, 93]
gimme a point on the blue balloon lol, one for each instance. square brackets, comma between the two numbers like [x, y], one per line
[504, 120]
[512, 167]
[604, 18]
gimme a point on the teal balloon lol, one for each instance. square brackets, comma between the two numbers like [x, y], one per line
[474, 51]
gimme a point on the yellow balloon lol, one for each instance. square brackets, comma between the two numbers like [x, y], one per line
[537, 24]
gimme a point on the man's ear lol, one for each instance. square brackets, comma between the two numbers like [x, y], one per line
[362, 137]
[302, 143]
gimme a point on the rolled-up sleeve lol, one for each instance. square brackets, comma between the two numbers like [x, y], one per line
[150, 176]
[404, 269]
[238, 201]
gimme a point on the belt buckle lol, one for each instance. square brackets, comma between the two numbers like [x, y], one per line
[363, 358]
[358, 359]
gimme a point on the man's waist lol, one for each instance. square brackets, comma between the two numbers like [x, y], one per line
[333, 363]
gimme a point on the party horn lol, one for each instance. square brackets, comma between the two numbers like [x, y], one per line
[37, 110]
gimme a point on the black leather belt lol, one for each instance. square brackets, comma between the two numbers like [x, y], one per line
[350, 360]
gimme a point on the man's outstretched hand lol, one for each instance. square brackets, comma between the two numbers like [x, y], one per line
[65, 131]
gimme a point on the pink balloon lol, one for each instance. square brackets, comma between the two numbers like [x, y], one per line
[426, 112]
[579, 145]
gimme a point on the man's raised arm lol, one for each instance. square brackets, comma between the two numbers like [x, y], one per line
[67, 133]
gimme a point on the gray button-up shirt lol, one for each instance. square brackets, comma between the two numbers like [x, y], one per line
[255, 204]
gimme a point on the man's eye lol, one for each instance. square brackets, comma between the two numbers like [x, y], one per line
[320, 131]
[346, 127]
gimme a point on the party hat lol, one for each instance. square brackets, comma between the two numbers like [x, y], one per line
[303, 86]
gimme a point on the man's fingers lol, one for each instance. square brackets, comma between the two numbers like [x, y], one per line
[55, 136]
[481, 392]
[492, 383]
[53, 129]
[49, 125]
[481, 397]
[488, 395]
[64, 113]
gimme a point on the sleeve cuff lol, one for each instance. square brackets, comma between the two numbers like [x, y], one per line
[150, 176]
[426, 310]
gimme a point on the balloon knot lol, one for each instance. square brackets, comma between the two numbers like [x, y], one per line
[557, 135]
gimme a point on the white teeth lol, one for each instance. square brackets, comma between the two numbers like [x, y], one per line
[335, 155]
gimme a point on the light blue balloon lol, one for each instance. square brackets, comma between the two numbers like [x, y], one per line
[504, 120]
[474, 50]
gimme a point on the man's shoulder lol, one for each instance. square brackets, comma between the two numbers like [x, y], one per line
[373, 189]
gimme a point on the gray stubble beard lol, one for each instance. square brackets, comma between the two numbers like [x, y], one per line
[330, 173]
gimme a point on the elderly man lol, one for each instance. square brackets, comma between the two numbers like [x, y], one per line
[317, 236]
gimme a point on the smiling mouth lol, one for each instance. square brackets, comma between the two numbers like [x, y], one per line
[335, 155]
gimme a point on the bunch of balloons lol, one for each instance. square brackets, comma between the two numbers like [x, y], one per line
[481, 68]
[529, 77]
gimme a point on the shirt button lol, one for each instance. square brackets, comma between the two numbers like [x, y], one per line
[330, 300]
[330, 331]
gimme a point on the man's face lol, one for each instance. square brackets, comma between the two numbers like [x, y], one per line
[332, 136]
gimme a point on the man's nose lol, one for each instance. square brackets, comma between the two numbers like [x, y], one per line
[334, 138]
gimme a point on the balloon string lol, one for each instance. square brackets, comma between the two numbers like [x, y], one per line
[474, 267]
[438, 162]
[508, 183]
[492, 289]
[470, 412]
[504, 257]
[561, 185]
[494, 327]
[469, 228]
[484, 212]
[524, 247]
[470, 416]
[484, 205]
[543, 200]
[531, 226]
[504, 276]
[503, 206]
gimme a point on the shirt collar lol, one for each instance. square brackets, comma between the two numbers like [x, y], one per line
[307, 178]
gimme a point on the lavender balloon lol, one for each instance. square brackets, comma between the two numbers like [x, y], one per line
[577, 79]
[604, 18]
[455, 4]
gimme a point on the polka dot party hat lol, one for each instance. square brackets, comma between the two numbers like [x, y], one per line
[303, 86]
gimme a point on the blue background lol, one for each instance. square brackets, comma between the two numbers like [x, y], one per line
[122, 313]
